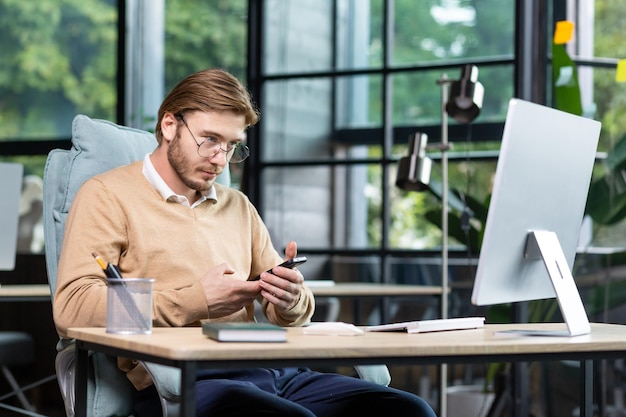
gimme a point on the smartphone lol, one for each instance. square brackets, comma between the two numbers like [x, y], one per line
[289, 263]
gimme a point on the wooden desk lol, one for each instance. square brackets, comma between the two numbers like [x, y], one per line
[189, 349]
[28, 292]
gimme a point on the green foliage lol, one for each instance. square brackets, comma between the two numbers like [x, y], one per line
[606, 202]
[418, 38]
[57, 61]
[59, 57]
[205, 34]
[565, 82]
[476, 212]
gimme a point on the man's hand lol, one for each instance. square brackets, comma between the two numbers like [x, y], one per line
[225, 296]
[282, 287]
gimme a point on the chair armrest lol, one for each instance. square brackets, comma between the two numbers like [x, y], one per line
[166, 380]
[65, 366]
[378, 374]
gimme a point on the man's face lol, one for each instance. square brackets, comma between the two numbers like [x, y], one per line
[197, 172]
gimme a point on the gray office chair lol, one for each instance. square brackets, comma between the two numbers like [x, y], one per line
[98, 146]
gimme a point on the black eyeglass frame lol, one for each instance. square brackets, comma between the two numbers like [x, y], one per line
[238, 153]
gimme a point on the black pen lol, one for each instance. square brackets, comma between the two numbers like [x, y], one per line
[110, 270]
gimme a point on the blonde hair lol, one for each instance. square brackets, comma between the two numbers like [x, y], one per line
[210, 90]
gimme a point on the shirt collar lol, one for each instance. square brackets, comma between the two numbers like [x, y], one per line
[153, 177]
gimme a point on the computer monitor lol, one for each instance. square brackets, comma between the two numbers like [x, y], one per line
[536, 211]
[11, 191]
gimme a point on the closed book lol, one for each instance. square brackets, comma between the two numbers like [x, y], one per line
[244, 331]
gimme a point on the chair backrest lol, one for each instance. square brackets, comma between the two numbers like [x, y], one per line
[97, 146]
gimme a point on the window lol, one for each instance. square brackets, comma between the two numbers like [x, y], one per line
[61, 58]
[342, 84]
[58, 59]
[595, 49]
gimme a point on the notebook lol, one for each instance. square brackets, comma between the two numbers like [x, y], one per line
[11, 192]
[437, 325]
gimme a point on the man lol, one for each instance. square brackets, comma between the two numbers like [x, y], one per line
[165, 218]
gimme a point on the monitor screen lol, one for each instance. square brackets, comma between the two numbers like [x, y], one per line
[536, 210]
[11, 191]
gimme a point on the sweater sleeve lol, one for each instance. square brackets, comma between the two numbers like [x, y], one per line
[300, 314]
[93, 225]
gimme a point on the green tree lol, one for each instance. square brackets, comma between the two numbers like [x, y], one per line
[202, 34]
[421, 36]
[58, 59]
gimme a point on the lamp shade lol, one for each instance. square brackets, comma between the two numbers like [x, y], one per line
[414, 169]
[466, 96]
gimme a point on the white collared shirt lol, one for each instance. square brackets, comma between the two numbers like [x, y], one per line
[166, 192]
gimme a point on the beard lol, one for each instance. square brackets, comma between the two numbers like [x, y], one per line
[184, 166]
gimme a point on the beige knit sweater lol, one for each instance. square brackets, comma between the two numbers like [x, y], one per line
[120, 216]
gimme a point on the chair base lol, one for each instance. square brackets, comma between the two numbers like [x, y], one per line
[27, 408]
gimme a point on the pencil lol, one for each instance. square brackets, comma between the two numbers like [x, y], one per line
[110, 270]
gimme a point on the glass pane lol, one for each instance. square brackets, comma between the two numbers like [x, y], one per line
[323, 207]
[201, 34]
[297, 205]
[30, 228]
[356, 268]
[317, 267]
[606, 98]
[499, 82]
[416, 270]
[58, 59]
[297, 119]
[428, 31]
[416, 216]
[416, 98]
[298, 36]
[609, 105]
[598, 40]
[608, 27]
[417, 95]
[359, 101]
[359, 34]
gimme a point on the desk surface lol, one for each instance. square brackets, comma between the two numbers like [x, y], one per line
[25, 292]
[189, 344]
[346, 289]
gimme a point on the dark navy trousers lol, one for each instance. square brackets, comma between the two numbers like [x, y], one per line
[291, 392]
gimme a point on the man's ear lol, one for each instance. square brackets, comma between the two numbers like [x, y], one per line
[169, 126]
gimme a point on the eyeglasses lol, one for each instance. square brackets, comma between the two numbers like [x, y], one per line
[210, 146]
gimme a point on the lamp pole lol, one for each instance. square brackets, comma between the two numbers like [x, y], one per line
[443, 82]
[443, 380]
